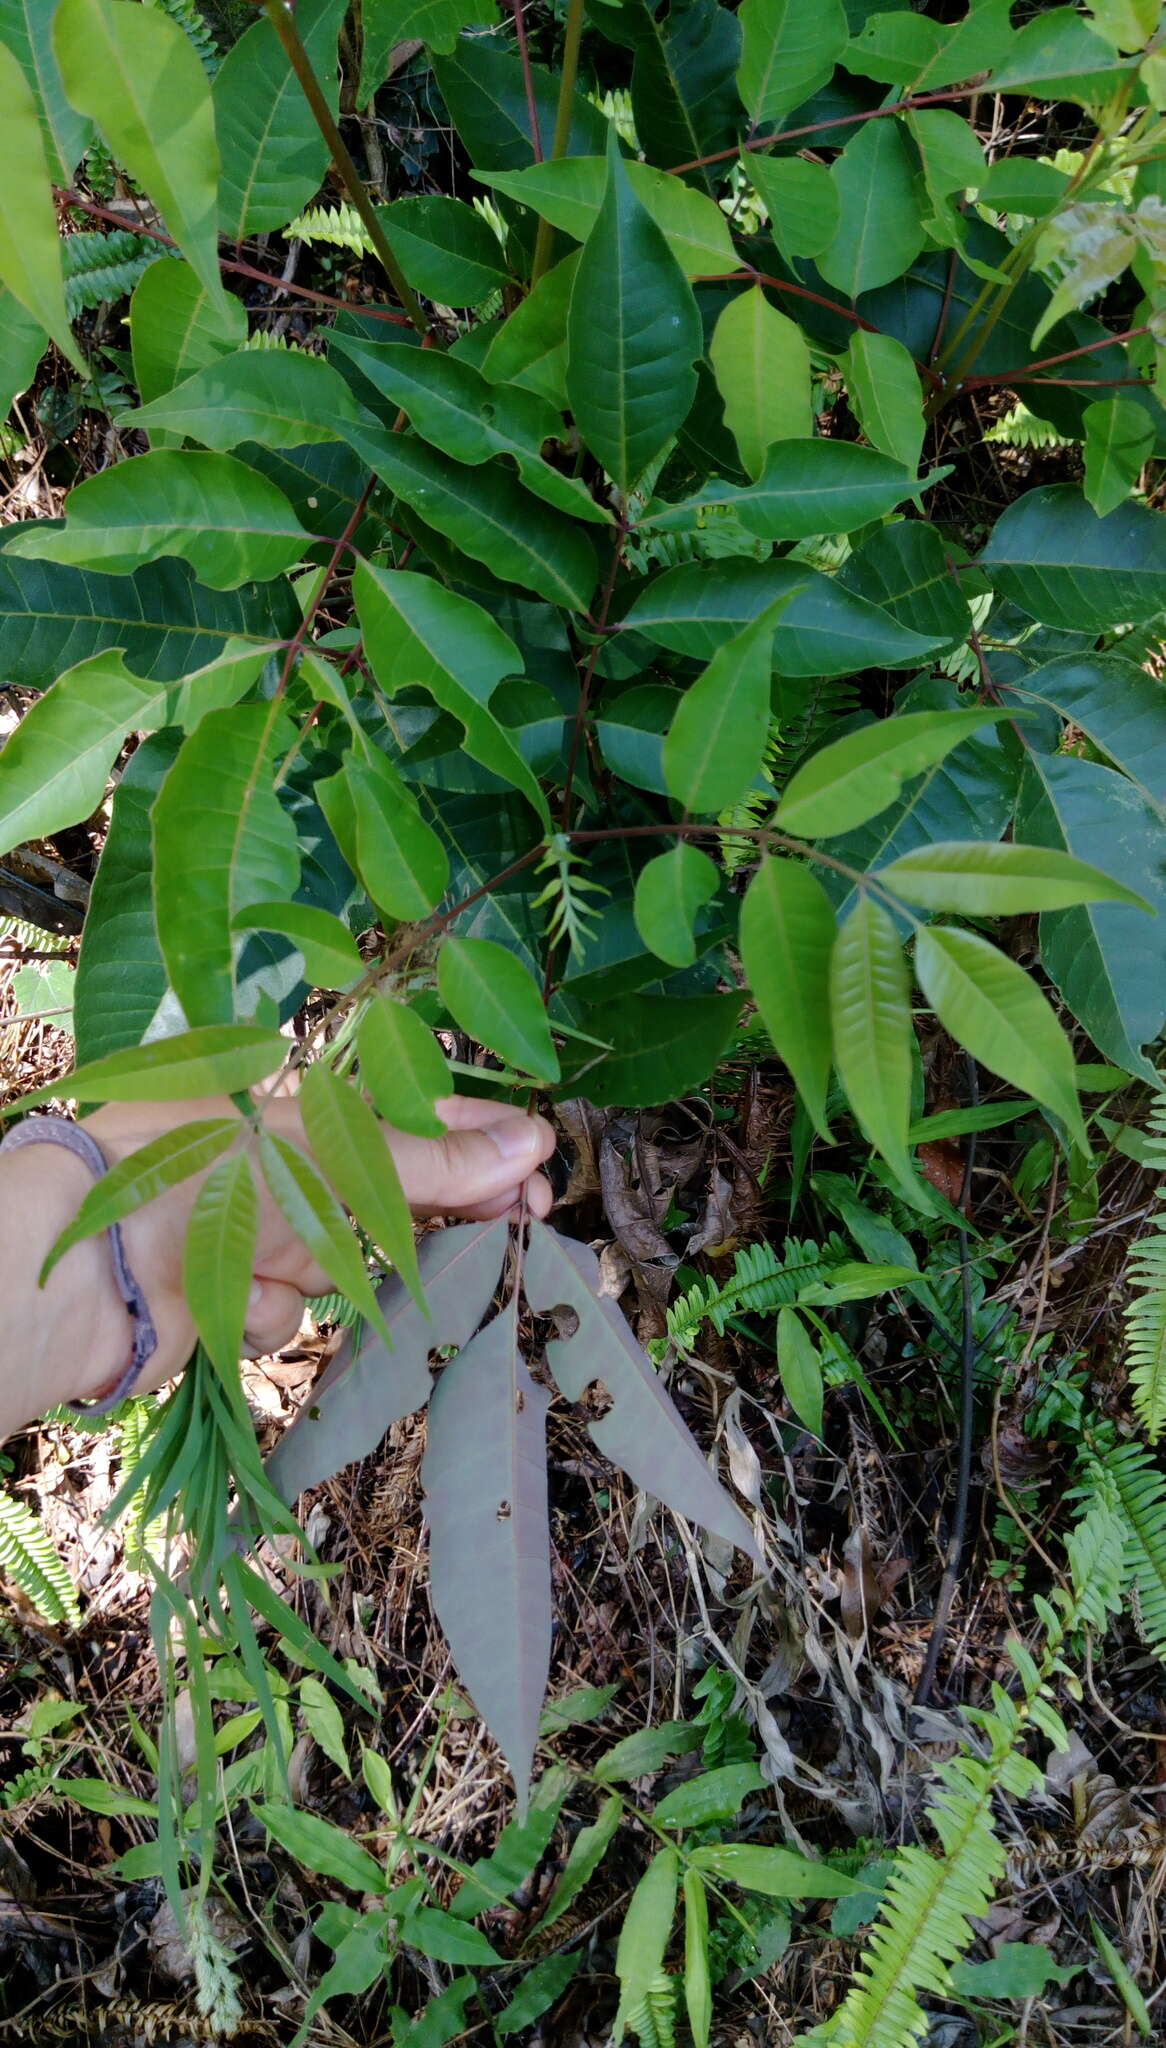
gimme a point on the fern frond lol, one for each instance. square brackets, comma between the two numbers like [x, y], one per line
[29, 1556]
[1135, 1488]
[102, 267]
[263, 339]
[1021, 428]
[340, 225]
[192, 24]
[653, 2020]
[571, 916]
[808, 724]
[762, 1281]
[1146, 1315]
[28, 1784]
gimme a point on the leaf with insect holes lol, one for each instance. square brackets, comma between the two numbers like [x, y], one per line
[366, 1387]
[218, 1258]
[870, 1015]
[402, 1066]
[216, 1060]
[314, 1215]
[716, 743]
[145, 1174]
[856, 777]
[350, 1148]
[787, 933]
[641, 1432]
[30, 250]
[485, 1479]
[496, 1000]
[991, 1006]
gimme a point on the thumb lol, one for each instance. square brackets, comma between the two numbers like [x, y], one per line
[468, 1169]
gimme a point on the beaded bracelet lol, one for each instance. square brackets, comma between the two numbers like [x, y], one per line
[54, 1130]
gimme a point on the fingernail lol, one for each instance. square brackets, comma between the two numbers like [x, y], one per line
[516, 1138]
[255, 1297]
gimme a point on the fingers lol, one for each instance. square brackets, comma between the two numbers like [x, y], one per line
[275, 1311]
[480, 1166]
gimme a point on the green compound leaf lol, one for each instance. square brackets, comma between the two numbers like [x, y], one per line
[761, 362]
[55, 767]
[30, 250]
[331, 955]
[245, 851]
[787, 52]
[219, 1257]
[786, 936]
[806, 488]
[569, 193]
[217, 1060]
[229, 523]
[485, 1476]
[350, 1148]
[986, 880]
[670, 891]
[497, 1001]
[870, 1016]
[800, 1366]
[716, 743]
[144, 1174]
[856, 777]
[310, 1209]
[991, 1006]
[418, 634]
[1053, 556]
[633, 335]
[403, 1067]
[138, 76]
[274, 157]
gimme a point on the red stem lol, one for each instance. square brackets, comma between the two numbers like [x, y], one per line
[519, 12]
[1068, 355]
[305, 625]
[923, 99]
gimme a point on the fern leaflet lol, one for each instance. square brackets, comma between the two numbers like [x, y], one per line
[1128, 1478]
[340, 225]
[192, 24]
[1146, 1314]
[100, 267]
[653, 2019]
[28, 1555]
[761, 1283]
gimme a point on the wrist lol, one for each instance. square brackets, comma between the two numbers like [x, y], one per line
[74, 1336]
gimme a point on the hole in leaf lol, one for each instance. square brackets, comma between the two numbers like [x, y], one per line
[565, 1319]
[441, 1355]
[504, 1511]
[488, 411]
[520, 1402]
[597, 1399]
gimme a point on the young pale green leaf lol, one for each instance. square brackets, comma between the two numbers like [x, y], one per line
[400, 859]
[443, 1939]
[136, 73]
[55, 767]
[715, 1795]
[67, 134]
[806, 488]
[318, 1845]
[1119, 438]
[275, 397]
[856, 777]
[885, 395]
[1057, 52]
[787, 934]
[97, 1797]
[484, 1473]
[30, 252]
[670, 891]
[633, 335]
[309, 1206]
[983, 879]
[716, 743]
[497, 1001]
[777, 1873]
[1052, 555]
[218, 1258]
[645, 1934]
[991, 1006]
[761, 362]
[800, 1366]
[120, 982]
[584, 1857]
[177, 328]
[217, 1060]
[698, 1991]
[325, 1723]
[1124, 1979]
[530, 347]
[350, 1148]
[802, 199]
[229, 523]
[418, 634]
[569, 193]
[274, 158]
[646, 1750]
[331, 955]
[880, 226]
[245, 851]
[870, 1015]
[402, 1066]
[144, 1174]
[787, 51]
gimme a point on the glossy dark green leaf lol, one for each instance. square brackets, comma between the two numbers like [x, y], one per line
[1106, 960]
[385, 23]
[870, 1016]
[350, 1149]
[399, 857]
[24, 28]
[484, 88]
[402, 1066]
[274, 157]
[991, 1006]
[806, 487]
[276, 397]
[670, 891]
[493, 997]
[218, 1258]
[1052, 555]
[631, 734]
[825, 630]
[662, 1047]
[1120, 707]
[446, 250]
[856, 777]
[633, 335]
[1119, 438]
[569, 193]
[144, 1174]
[717, 740]
[802, 198]
[906, 568]
[418, 634]
[245, 851]
[312, 1212]
[999, 880]
[641, 1431]
[880, 227]
[121, 977]
[216, 1060]
[232, 525]
[786, 938]
[30, 252]
[485, 1477]
[787, 52]
[685, 101]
